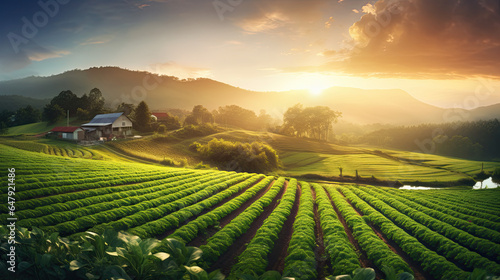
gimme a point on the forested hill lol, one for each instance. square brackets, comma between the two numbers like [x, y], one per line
[472, 140]
[162, 92]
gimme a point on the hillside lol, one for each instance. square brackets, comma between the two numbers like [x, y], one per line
[162, 92]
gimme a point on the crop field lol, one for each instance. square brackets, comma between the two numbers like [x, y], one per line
[249, 223]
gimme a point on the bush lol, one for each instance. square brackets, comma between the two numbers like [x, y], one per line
[191, 131]
[496, 176]
[254, 157]
[162, 128]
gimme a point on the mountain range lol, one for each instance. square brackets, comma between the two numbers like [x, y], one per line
[160, 92]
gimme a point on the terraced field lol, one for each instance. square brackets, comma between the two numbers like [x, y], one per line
[251, 223]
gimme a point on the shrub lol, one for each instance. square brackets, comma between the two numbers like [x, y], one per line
[254, 157]
[162, 128]
[190, 131]
[496, 175]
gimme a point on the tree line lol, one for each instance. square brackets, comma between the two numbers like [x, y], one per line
[313, 122]
[474, 140]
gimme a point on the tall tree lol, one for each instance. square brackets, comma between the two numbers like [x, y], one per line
[314, 122]
[199, 115]
[95, 101]
[67, 100]
[26, 115]
[52, 113]
[142, 117]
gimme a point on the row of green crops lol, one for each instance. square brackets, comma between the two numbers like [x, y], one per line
[189, 231]
[437, 266]
[482, 246]
[41, 206]
[92, 205]
[484, 201]
[222, 190]
[441, 214]
[221, 240]
[86, 178]
[341, 252]
[69, 149]
[467, 208]
[442, 245]
[472, 218]
[300, 261]
[139, 213]
[64, 199]
[254, 260]
[376, 250]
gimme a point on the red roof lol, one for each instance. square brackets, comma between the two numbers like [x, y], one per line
[160, 115]
[65, 128]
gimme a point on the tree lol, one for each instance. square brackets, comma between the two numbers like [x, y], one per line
[199, 115]
[52, 113]
[126, 108]
[142, 117]
[83, 114]
[7, 117]
[236, 116]
[96, 101]
[3, 128]
[26, 115]
[314, 122]
[67, 100]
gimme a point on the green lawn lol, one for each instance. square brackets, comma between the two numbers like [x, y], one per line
[367, 165]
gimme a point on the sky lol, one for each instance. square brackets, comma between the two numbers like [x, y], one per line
[446, 53]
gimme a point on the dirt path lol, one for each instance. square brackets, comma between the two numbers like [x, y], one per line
[169, 232]
[201, 239]
[280, 249]
[322, 259]
[365, 262]
[228, 259]
[419, 273]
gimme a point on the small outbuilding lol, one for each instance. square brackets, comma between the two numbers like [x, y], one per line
[109, 125]
[75, 133]
[160, 117]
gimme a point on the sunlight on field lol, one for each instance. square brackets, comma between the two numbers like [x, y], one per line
[367, 165]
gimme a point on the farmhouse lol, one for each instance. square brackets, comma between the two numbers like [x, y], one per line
[68, 133]
[108, 126]
[159, 117]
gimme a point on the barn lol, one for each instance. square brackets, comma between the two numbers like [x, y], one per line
[160, 117]
[109, 126]
[75, 133]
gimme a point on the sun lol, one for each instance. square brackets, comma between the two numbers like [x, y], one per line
[315, 90]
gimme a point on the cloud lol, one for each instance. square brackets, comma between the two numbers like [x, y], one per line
[172, 68]
[11, 61]
[424, 39]
[259, 16]
[329, 22]
[43, 55]
[98, 40]
[264, 23]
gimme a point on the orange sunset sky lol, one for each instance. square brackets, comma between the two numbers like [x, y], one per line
[446, 52]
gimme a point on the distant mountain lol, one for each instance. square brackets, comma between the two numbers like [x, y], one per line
[14, 102]
[162, 92]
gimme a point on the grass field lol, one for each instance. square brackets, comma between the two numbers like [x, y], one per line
[39, 127]
[250, 223]
[304, 156]
[299, 156]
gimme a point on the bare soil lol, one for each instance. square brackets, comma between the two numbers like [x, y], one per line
[322, 259]
[280, 249]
